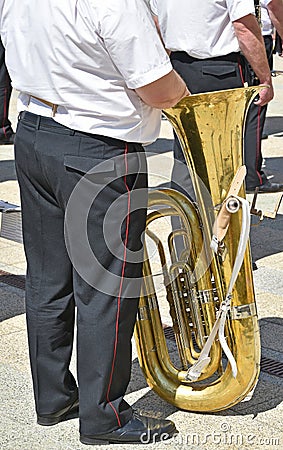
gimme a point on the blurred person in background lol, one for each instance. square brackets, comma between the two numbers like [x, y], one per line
[278, 45]
[271, 15]
[6, 132]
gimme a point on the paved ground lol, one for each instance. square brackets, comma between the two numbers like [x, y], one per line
[254, 424]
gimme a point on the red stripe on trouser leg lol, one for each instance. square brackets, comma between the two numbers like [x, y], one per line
[120, 289]
[241, 73]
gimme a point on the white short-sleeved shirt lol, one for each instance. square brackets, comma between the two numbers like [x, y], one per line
[201, 28]
[87, 56]
[266, 24]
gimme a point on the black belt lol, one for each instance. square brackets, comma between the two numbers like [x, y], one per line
[185, 57]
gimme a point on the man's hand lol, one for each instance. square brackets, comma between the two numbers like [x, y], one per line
[252, 45]
[265, 95]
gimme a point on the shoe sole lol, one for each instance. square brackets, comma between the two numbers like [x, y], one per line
[88, 440]
[72, 413]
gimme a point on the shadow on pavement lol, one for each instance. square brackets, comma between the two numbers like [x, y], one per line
[266, 238]
[12, 302]
[7, 170]
[273, 125]
[273, 167]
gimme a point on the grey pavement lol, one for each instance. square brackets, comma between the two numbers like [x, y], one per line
[256, 423]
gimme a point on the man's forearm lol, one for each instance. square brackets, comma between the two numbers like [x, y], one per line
[275, 9]
[252, 46]
[164, 92]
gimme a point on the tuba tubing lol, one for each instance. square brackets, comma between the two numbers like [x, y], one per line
[210, 130]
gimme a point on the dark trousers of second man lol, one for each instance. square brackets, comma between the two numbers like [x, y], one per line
[255, 124]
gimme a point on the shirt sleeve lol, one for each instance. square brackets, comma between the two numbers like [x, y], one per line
[240, 8]
[131, 39]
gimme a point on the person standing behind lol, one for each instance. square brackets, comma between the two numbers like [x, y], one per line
[93, 76]
[210, 43]
[275, 11]
[6, 132]
[267, 30]
[270, 11]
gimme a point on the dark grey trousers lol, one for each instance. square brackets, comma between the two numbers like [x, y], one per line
[255, 124]
[84, 201]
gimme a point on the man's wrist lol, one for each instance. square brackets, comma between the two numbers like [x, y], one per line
[267, 81]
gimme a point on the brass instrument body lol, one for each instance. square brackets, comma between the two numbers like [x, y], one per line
[210, 129]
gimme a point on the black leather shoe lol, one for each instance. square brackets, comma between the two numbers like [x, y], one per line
[70, 412]
[7, 140]
[267, 188]
[139, 430]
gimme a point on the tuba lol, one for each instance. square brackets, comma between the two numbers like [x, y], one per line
[187, 286]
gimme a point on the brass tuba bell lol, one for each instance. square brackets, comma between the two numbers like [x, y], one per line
[184, 289]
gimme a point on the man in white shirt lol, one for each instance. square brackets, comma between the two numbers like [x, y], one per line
[92, 77]
[207, 40]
